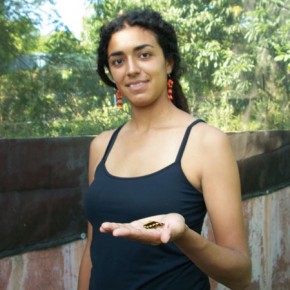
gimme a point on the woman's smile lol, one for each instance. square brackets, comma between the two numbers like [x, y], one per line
[137, 85]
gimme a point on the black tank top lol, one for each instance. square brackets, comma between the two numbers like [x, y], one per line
[122, 264]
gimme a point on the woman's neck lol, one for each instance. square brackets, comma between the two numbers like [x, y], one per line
[152, 117]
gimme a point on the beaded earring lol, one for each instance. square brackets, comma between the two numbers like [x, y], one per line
[119, 100]
[169, 89]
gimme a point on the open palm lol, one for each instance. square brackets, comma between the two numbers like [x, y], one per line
[173, 227]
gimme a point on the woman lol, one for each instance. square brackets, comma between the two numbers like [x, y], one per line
[153, 179]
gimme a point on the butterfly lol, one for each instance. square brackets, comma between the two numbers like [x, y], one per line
[152, 225]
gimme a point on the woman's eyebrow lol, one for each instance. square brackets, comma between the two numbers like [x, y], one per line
[137, 48]
[140, 47]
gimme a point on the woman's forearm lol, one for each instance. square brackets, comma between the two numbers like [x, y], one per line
[230, 267]
[85, 270]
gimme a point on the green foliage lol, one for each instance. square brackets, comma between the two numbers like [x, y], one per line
[232, 50]
[96, 121]
[236, 59]
[18, 32]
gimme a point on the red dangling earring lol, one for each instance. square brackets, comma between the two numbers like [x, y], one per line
[119, 100]
[169, 89]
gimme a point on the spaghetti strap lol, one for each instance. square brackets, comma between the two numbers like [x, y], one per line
[111, 142]
[185, 138]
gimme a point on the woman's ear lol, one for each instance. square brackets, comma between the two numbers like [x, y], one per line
[109, 75]
[169, 65]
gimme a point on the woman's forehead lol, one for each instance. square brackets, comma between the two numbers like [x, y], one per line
[132, 36]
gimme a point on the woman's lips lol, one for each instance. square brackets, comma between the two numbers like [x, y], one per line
[137, 85]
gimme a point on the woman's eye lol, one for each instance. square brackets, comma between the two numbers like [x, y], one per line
[145, 55]
[117, 61]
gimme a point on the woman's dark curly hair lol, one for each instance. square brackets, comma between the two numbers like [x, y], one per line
[165, 35]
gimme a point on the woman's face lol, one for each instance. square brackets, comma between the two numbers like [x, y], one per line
[137, 65]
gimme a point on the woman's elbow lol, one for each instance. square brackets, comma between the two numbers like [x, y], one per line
[244, 278]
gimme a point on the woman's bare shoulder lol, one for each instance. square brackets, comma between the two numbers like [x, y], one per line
[97, 150]
[214, 150]
[98, 146]
[210, 144]
[210, 137]
[101, 140]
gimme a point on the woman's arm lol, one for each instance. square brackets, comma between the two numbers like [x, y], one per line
[230, 267]
[86, 264]
[227, 260]
[97, 149]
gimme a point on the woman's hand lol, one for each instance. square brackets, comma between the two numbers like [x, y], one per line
[172, 228]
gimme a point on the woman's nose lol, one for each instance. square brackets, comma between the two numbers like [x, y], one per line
[133, 67]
